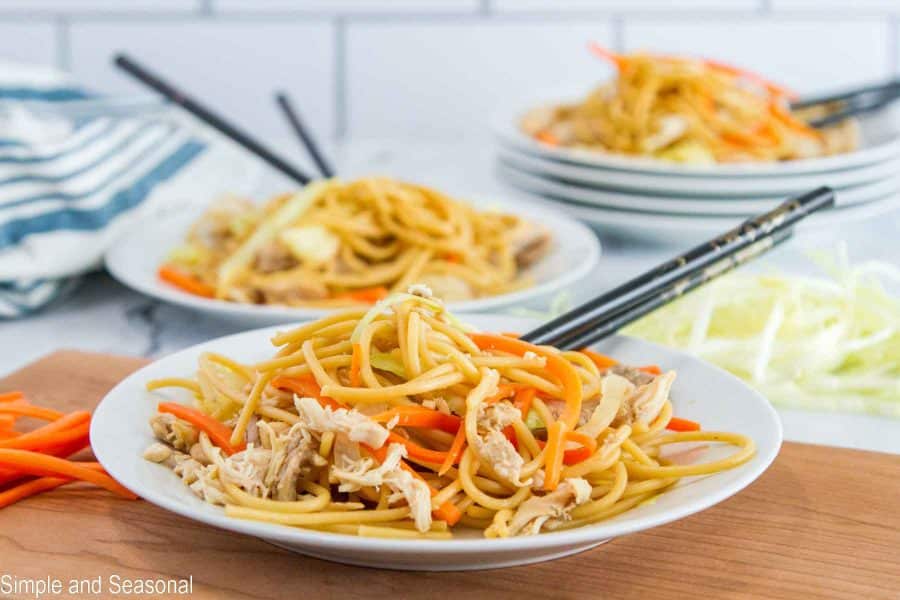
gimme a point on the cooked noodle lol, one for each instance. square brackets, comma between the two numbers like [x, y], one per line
[688, 110]
[336, 243]
[401, 423]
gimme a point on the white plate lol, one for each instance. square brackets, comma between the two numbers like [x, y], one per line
[135, 257]
[669, 228]
[880, 141]
[120, 433]
[628, 201]
[703, 188]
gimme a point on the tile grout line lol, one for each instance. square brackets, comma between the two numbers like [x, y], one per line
[893, 40]
[340, 79]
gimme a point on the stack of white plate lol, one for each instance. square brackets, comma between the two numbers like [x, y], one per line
[665, 200]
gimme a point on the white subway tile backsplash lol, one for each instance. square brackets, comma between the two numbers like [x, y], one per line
[347, 6]
[514, 6]
[28, 42]
[234, 67]
[68, 7]
[804, 55]
[443, 80]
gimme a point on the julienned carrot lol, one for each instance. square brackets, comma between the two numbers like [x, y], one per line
[524, 398]
[677, 424]
[608, 55]
[41, 464]
[454, 454]
[554, 455]
[545, 137]
[651, 369]
[446, 511]
[218, 433]
[416, 451]
[419, 416]
[601, 360]
[504, 390]
[185, 282]
[307, 387]
[36, 486]
[369, 295]
[11, 396]
[65, 429]
[27, 410]
[577, 455]
[7, 422]
[356, 366]
[556, 365]
[63, 450]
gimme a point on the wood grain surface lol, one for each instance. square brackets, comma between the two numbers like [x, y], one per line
[821, 523]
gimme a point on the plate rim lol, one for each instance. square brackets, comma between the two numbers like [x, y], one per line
[503, 126]
[334, 541]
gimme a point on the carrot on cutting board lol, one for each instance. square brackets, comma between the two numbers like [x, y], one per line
[186, 283]
[35, 463]
[36, 486]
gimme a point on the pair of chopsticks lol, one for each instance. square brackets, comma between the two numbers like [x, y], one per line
[853, 102]
[609, 312]
[229, 129]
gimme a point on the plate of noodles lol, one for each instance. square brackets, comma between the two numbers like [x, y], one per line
[399, 437]
[671, 115]
[336, 244]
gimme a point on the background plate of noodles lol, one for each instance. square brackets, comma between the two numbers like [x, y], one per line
[702, 392]
[571, 252]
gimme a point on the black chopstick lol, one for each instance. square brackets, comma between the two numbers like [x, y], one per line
[854, 109]
[618, 320]
[888, 88]
[215, 121]
[577, 324]
[309, 142]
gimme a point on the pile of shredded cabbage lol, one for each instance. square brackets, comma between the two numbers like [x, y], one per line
[819, 343]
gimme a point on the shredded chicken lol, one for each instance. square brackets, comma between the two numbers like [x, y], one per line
[530, 242]
[274, 256]
[597, 415]
[550, 509]
[179, 434]
[201, 480]
[357, 426]
[448, 287]
[493, 446]
[354, 472]
[644, 404]
[294, 455]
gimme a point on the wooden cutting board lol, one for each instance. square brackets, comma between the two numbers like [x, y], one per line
[821, 523]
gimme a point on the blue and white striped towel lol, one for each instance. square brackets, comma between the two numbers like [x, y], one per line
[75, 169]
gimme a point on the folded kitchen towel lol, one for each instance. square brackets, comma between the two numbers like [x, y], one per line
[76, 168]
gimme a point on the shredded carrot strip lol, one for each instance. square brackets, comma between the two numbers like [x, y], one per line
[588, 447]
[71, 427]
[556, 365]
[651, 369]
[369, 295]
[40, 464]
[601, 360]
[36, 486]
[524, 398]
[616, 59]
[184, 282]
[677, 424]
[554, 455]
[454, 454]
[546, 137]
[7, 422]
[356, 366]
[218, 433]
[416, 451]
[306, 387]
[11, 396]
[504, 390]
[27, 410]
[419, 416]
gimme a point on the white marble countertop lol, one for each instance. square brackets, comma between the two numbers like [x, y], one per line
[104, 316]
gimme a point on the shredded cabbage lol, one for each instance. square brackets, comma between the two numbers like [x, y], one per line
[823, 343]
[388, 362]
